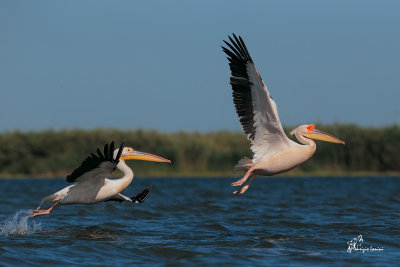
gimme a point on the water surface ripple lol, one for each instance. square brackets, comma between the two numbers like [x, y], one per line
[278, 222]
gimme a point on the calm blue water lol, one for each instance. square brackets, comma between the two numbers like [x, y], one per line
[278, 222]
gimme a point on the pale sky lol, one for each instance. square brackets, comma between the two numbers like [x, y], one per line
[159, 64]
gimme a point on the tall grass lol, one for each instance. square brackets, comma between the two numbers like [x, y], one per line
[57, 153]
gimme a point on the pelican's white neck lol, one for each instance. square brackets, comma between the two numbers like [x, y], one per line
[304, 140]
[125, 180]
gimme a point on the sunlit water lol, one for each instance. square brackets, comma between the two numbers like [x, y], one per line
[278, 222]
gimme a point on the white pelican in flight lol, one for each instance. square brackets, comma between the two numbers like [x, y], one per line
[273, 151]
[90, 184]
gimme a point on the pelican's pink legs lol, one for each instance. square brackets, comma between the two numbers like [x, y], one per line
[39, 211]
[244, 179]
[244, 188]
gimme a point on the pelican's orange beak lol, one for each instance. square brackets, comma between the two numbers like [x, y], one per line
[137, 155]
[315, 134]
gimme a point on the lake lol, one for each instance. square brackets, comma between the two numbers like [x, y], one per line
[277, 222]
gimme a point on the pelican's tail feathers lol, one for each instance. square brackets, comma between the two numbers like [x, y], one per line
[50, 199]
[243, 165]
[57, 196]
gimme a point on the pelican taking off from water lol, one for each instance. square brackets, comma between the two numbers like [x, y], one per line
[273, 151]
[90, 184]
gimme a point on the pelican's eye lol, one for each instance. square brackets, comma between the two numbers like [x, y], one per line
[310, 127]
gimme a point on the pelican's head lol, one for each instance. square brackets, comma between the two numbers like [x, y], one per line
[310, 132]
[128, 153]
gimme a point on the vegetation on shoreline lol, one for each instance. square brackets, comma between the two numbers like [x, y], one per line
[52, 153]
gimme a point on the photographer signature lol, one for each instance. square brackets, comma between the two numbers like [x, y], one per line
[355, 244]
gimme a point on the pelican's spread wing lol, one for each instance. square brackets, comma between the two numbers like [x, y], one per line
[256, 109]
[97, 166]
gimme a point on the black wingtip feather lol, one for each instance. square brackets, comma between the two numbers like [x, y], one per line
[245, 49]
[121, 147]
[111, 150]
[139, 198]
[93, 161]
[239, 58]
[100, 154]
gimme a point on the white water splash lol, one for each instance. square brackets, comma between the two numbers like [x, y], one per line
[19, 225]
